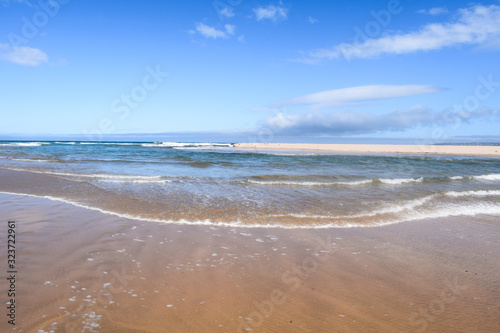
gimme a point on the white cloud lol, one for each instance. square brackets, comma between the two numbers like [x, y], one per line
[230, 29]
[227, 12]
[271, 12]
[210, 32]
[342, 123]
[339, 97]
[312, 20]
[434, 11]
[22, 55]
[475, 26]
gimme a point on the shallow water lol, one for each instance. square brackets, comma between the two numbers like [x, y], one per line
[206, 183]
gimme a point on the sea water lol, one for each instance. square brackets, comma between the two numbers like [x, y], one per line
[217, 184]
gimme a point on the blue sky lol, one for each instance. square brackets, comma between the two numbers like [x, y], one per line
[398, 69]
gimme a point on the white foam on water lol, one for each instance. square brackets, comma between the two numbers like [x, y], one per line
[397, 208]
[479, 193]
[494, 177]
[306, 216]
[441, 211]
[101, 175]
[290, 154]
[389, 181]
[456, 210]
[32, 160]
[186, 144]
[391, 209]
[488, 177]
[355, 183]
[110, 143]
[140, 181]
[24, 144]
[280, 182]
[399, 181]
[104, 176]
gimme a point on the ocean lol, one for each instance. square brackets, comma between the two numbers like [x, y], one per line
[216, 184]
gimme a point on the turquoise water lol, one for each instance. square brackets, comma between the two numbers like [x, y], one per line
[214, 183]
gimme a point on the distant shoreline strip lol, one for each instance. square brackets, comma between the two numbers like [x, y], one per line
[483, 151]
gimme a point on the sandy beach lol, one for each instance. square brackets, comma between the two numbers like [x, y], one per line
[79, 270]
[489, 151]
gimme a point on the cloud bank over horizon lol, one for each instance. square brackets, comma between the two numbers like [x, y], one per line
[352, 123]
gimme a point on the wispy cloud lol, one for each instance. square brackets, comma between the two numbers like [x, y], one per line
[22, 55]
[475, 25]
[230, 29]
[211, 32]
[340, 97]
[271, 12]
[342, 123]
[434, 11]
[312, 20]
[227, 12]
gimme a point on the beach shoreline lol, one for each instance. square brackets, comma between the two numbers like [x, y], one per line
[478, 151]
[82, 270]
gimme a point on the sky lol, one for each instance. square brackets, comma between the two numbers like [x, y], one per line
[395, 69]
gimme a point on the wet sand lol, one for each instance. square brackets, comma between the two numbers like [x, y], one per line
[84, 271]
[487, 151]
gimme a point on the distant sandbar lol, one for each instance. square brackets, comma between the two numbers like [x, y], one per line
[489, 151]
